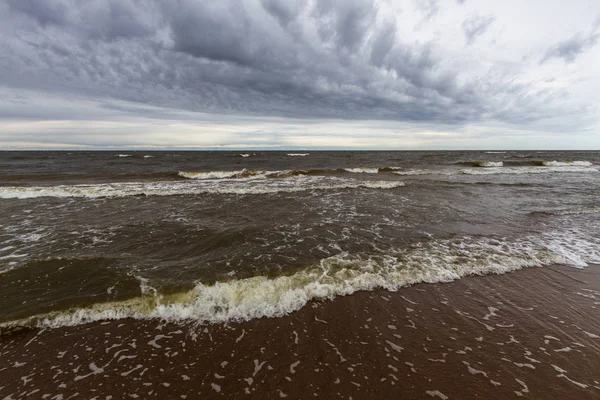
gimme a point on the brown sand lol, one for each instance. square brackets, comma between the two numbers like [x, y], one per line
[534, 333]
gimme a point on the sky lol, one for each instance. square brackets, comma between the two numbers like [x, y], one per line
[300, 74]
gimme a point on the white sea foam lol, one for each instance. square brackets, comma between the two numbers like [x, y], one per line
[567, 163]
[298, 154]
[490, 163]
[343, 274]
[124, 155]
[264, 186]
[245, 155]
[148, 156]
[498, 169]
[409, 172]
[218, 174]
[495, 152]
[362, 170]
[526, 170]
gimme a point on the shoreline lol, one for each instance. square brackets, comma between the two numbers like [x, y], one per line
[532, 333]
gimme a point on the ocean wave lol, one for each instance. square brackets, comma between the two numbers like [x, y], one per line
[495, 152]
[190, 188]
[243, 173]
[249, 174]
[484, 164]
[572, 211]
[497, 170]
[362, 170]
[245, 155]
[526, 170]
[343, 274]
[298, 154]
[124, 155]
[567, 163]
[409, 172]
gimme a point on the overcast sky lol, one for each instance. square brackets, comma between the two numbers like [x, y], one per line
[397, 74]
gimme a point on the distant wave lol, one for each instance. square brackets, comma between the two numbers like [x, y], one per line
[572, 211]
[245, 155]
[298, 154]
[495, 152]
[498, 170]
[246, 173]
[479, 168]
[362, 170]
[567, 163]
[343, 274]
[485, 164]
[173, 188]
[148, 156]
[221, 174]
[526, 170]
[124, 155]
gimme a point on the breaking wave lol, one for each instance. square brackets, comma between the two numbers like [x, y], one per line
[222, 174]
[567, 163]
[343, 274]
[298, 154]
[526, 170]
[485, 164]
[194, 187]
[246, 173]
[362, 170]
[493, 170]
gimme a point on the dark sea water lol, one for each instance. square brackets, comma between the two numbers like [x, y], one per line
[218, 236]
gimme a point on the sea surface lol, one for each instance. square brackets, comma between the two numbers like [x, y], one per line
[223, 236]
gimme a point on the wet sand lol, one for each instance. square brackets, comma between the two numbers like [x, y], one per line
[534, 333]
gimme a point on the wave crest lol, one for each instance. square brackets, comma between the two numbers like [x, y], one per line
[343, 274]
[567, 163]
[115, 190]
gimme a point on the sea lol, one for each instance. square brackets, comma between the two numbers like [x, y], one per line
[219, 236]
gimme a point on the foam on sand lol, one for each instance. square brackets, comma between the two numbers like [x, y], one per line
[340, 275]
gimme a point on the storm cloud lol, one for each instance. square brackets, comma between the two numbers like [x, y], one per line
[328, 60]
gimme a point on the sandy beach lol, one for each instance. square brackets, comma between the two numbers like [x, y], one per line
[534, 333]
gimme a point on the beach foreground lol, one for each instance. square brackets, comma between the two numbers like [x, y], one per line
[534, 333]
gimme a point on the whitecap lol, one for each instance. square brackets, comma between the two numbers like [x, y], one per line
[340, 275]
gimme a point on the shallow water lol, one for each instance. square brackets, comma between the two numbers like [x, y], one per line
[216, 236]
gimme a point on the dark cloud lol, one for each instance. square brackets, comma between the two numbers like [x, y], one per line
[573, 47]
[476, 25]
[328, 59]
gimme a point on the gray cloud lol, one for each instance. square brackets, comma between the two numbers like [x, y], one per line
[429, 8]
[342, 59]
[573, 47]
[476, 25]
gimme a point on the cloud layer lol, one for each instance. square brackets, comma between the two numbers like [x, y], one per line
[426, 64]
